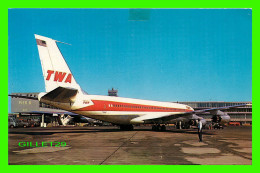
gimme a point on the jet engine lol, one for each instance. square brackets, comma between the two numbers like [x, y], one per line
[219, 116]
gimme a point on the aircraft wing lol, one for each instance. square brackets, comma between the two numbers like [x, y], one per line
[220, 108]
[164, 117]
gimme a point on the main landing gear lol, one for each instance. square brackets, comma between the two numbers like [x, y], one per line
[127, 127]
[159, 127]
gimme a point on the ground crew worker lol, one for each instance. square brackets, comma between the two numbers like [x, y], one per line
[200, 130]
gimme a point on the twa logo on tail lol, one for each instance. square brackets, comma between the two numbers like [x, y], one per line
[59, 76]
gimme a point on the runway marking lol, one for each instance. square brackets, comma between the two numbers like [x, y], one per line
[118, 148]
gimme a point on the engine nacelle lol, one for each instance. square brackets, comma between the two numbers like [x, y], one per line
[220, 117]
[194, 120]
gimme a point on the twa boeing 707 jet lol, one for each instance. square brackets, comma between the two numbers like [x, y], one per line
[63, 91]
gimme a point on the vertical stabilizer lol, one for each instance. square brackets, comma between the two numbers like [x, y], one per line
[55, 69]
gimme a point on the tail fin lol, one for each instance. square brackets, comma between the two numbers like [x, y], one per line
[55, 69]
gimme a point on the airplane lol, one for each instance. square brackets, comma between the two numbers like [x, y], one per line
[62, 91]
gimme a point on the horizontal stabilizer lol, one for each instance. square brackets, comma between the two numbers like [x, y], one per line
[60, 94]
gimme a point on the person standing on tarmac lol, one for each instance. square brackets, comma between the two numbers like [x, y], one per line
[200, 130]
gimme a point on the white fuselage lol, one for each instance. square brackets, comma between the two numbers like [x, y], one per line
[118, 110]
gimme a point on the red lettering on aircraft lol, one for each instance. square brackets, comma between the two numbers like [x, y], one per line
[50, 72]
[59, 76]
[68, 78]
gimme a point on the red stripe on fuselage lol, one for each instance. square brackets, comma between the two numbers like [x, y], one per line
[101, 105]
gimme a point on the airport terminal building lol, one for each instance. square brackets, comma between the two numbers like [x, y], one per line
[239, 114]
[33, 109]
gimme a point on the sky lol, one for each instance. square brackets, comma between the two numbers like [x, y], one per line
[152, 54]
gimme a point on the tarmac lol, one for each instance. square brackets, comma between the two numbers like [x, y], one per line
[142, 146]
